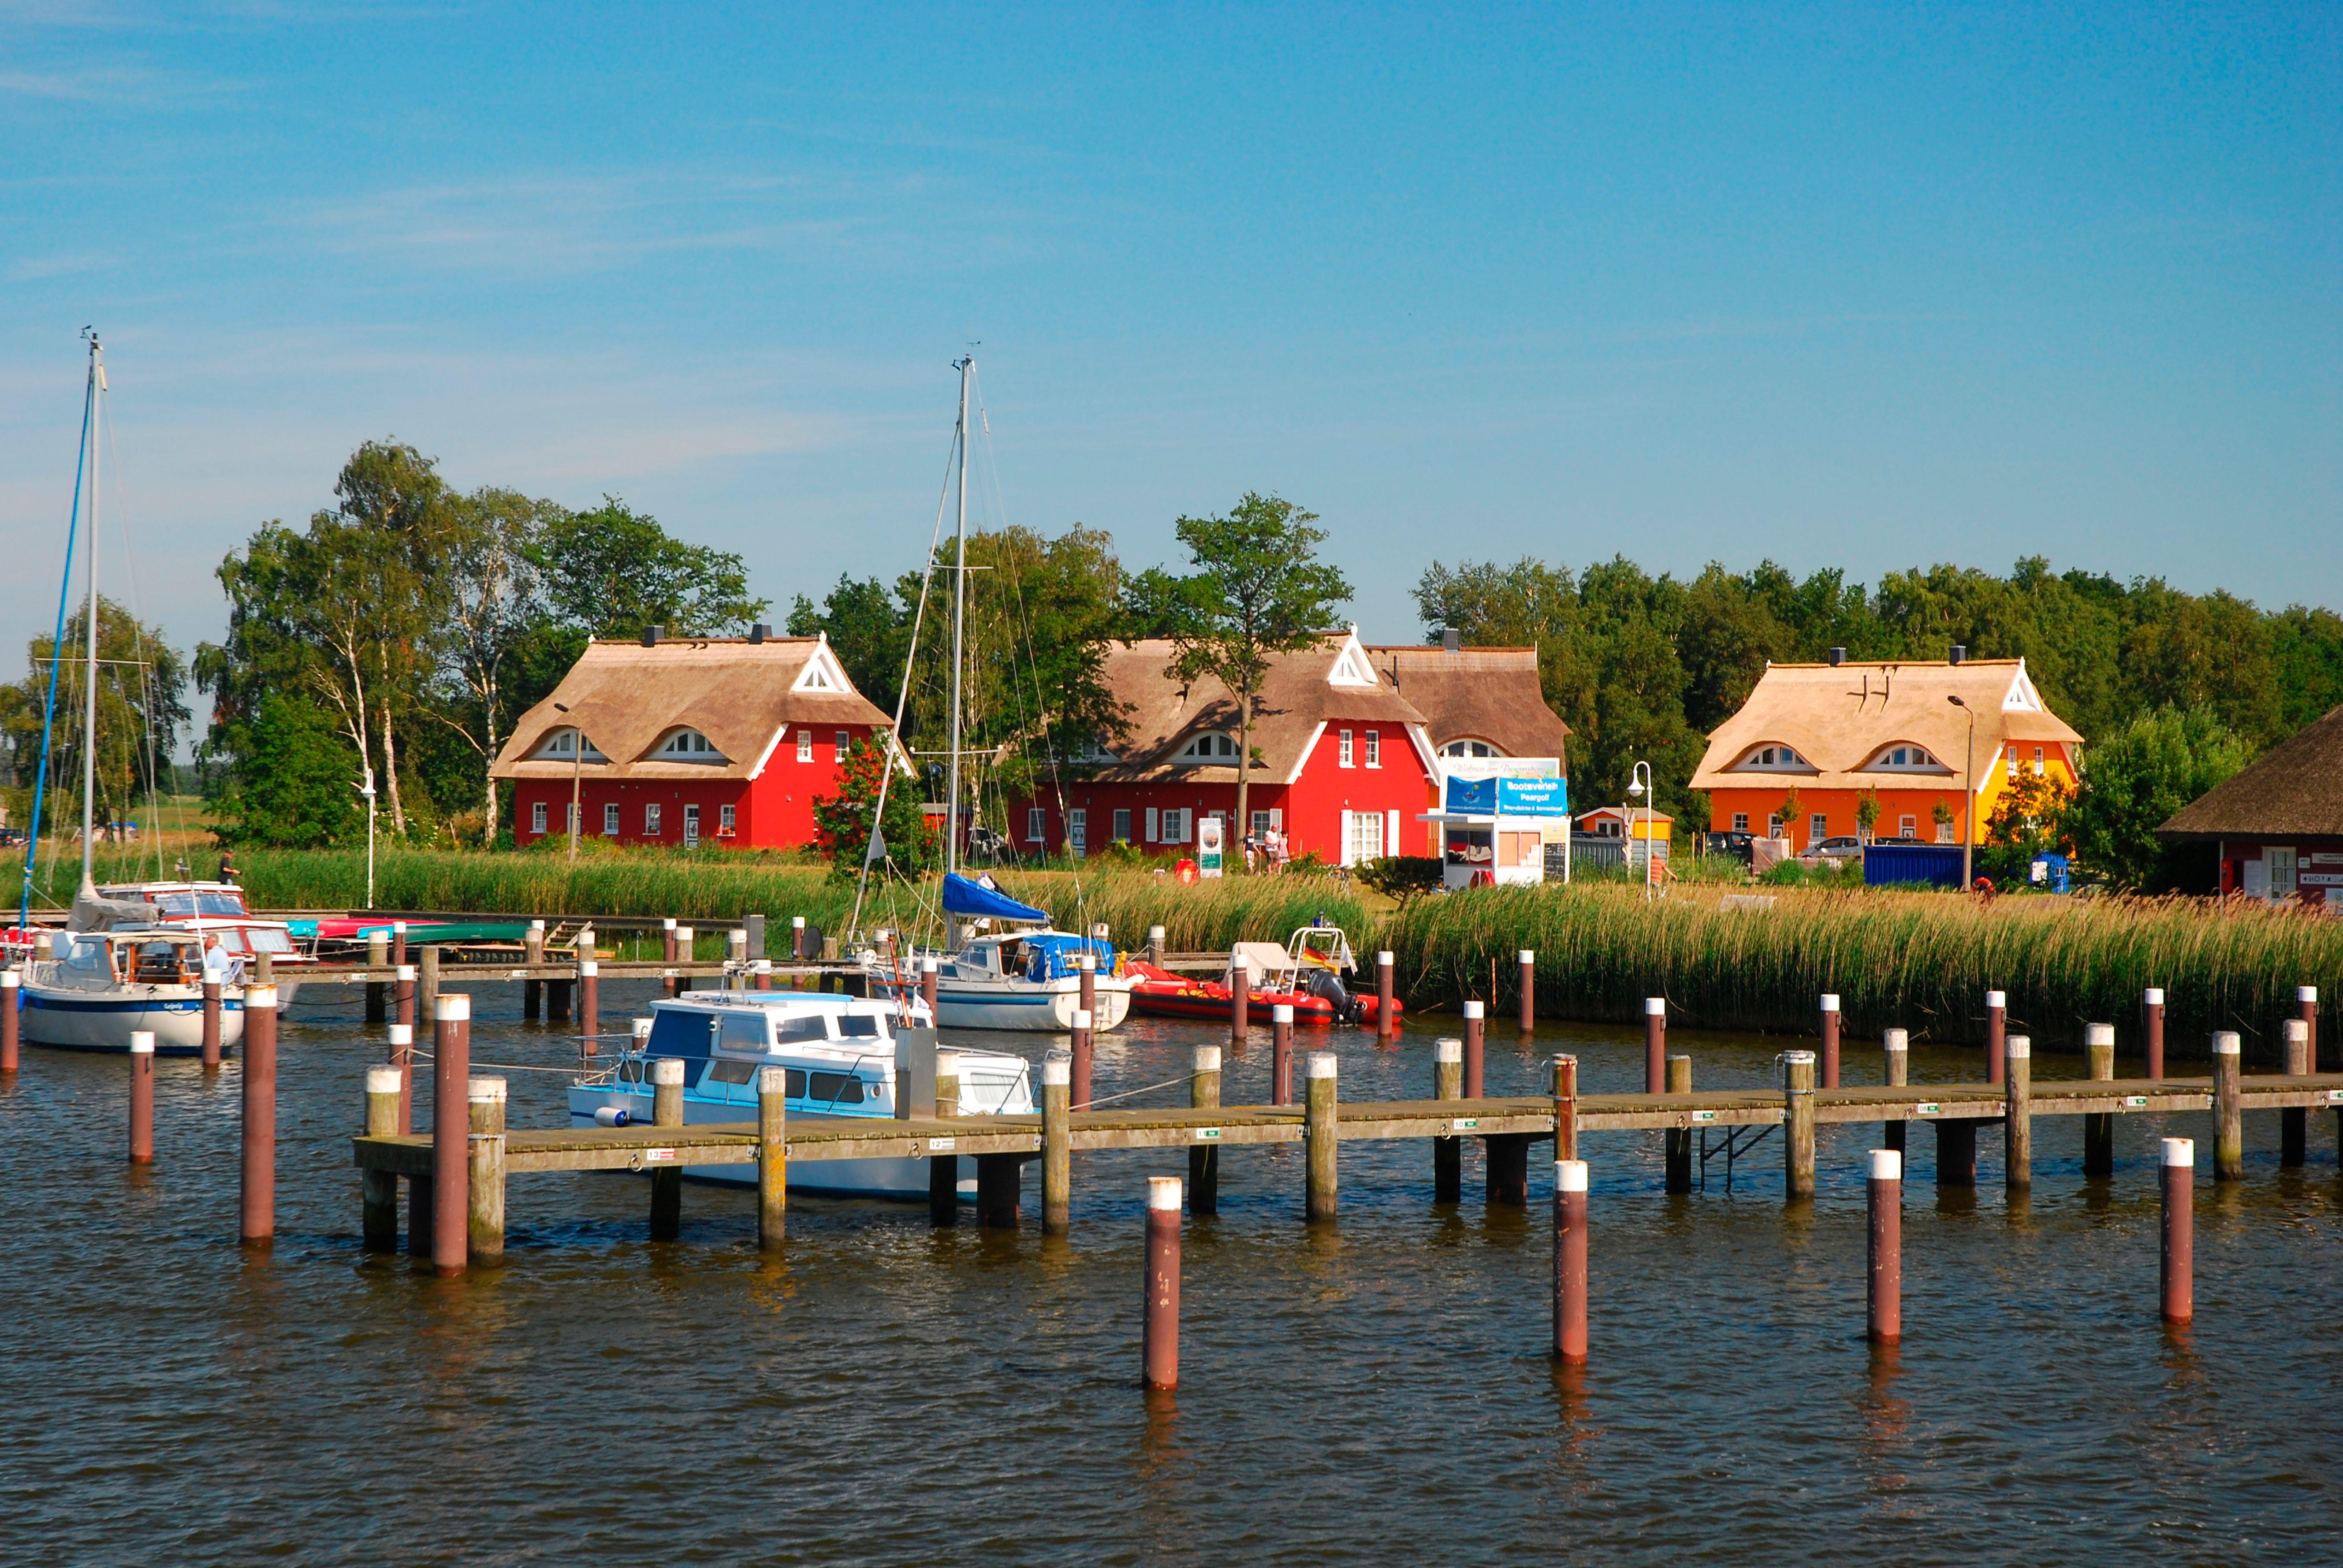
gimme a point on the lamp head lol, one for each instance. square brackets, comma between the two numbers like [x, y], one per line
[1956, 701]
[1636, 786]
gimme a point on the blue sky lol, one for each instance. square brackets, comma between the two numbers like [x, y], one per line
[1860, 287]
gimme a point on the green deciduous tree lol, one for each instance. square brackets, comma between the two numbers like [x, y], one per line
[612, 571]
[842, 821]
[2136, 779]
[294, 785]
[142, 711]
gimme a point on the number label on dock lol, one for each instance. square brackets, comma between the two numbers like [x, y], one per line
[2134, 1101]
[1464, 1123]
[1207, 1134]
[1703, 1116]
[1929, 1108]
[651, 1156]
[942, 1145]
[2335, 1097]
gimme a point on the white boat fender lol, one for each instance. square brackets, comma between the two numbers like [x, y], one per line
[611, 1116]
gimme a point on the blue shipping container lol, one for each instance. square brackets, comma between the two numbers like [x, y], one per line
[1892, 862]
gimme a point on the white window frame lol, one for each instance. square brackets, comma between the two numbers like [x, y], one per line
[2038, 762]
[728, 820]
[1342, 758]
[805, 745]
[650, 819]
[1945, 833]
[1077, 830]
[1907, 827]
[1036, 824]
[2285, 870]
[1818, 828]
[537, 817]
[1362, 836]
[690, 826]
[845, 744]
[1204, 750]
[1175, 824]
[1261, 824]
[675, 747]
[1773, 825]
[1122, 824]
[1740, 822]
[610, 818]
[572, 817]
[1374, 749]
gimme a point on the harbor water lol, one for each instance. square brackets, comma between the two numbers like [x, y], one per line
[1374, 1391]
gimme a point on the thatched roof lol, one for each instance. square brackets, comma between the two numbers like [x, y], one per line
[743, 695]
[1331, 681]
[2295, 789]
[1490, 694]
[1839, 718]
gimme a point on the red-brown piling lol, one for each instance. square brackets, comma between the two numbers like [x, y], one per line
[257, 1222]
[451, 1127]
[1997, 1025]
[590, 1004]
[1655, 1045]
[2152, 1030]
[667, 952]
[399, 944]
[1526, 961]
[1086, 967]
[12, 991]
[928, 968]
[1830, 1039]
[1386, 1013]
[1160, 1333]
[1240, 996]
[402, 996]
[211, 1036]
[762, 972]
[2177, 1270]
[2294, 1122]
[1885, 1318]
[1079, 1086]
[1475, 1027]
[2306, 997]
[141, 1097]
[1280, 1053]
[1570, 1261]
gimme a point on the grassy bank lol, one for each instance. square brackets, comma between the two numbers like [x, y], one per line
[1923, 962]
[1920, 960]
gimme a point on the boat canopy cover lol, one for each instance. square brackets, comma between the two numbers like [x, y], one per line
[93, 913]
[983, 899]
[1056, 954]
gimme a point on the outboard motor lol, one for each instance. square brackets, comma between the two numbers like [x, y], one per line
[1348, 1009]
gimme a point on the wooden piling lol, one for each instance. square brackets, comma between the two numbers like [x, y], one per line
[1956, 1152]
[590, 1004]
[2018, 1113]
[685, 940]
[2099, 1127]
[1570, 1261]
[1566, 1107]
[761, 974]
[1679, 1139]
[1473, 1028]
[1884, 1297]
[257, 1221]
[667, 1179]
[1525, 964]
[928, 968]
[1798, 1124]
[943, 1168]
[1896, 1070]
[1240, 995]
[2306, 998]
[1086, 969]
[2176, 1266]
[1280, 1053]
[667, 953]
[484, 1174]
[1448, 1153]
[1079, 1059]
[377, 993]
[1319, 1134]
[1655, 1045]
[213, 1005]
[1506, 1162]
[1996, 1024]
[2294, 1122]
[772, 1158]
[378, 1189]
[399, 943]
[426, 985]
[1159, 1325]
[451, 1127]
[999, 1181]
[403, 995]
[141, 1097]
[12, 991]
[1155, 944]
[1204, 1158]
[1057, 1162]
[2228, 1108]
[1386, 1014]
[2152, 1029]
[1830, 1039]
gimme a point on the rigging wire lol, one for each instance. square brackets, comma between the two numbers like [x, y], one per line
[56, 662]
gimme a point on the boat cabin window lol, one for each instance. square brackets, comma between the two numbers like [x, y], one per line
[797, 1084]
[722, 1071]
[157, 963]
[268, 940]
[834, 1089]
[87, 957]
[741, 1032]
[801, 1027]
[858, 1026]
[675, 1032]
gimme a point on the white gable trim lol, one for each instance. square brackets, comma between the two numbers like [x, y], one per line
[1425, 753]
[2021, 695]
[1308, 749]
[1352, 665]
[822, 671]
[758, 772]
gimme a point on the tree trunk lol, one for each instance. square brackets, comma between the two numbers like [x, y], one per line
[390, 769]
[488, 823]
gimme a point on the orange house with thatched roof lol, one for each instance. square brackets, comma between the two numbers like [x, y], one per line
[1931, 743]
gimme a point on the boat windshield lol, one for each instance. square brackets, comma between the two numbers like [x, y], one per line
[858, 1026]
[181, 903]
[268, 940]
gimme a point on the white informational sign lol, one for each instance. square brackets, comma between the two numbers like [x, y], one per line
[1208, 845]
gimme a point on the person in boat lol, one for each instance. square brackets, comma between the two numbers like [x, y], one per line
[219, 969]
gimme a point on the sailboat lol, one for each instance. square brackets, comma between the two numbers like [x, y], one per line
[118, 969]
[1003, 965]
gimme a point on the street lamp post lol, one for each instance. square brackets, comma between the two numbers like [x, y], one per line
[1968, 794]
[366, 788]
[577, 761]
[1639, 784]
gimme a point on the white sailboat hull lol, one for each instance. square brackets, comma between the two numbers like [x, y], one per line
[105, 1020]
[1033, 1006]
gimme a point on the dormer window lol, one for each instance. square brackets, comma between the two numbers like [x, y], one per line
[687, 746]
[1210, 746]
[1907, 759]
[1470, 749]
[1779, 758]
[561, 746]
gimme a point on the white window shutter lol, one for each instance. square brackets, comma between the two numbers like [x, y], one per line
[1346, 838]
[1390, 832]
[1277, 818]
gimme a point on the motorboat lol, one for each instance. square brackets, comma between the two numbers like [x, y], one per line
[104, 985]
[219, 909]
[1013, 970]
[839, 1052]
[1306, 974]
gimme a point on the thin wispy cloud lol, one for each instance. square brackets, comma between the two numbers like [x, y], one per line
[69, 264]
[120, 86]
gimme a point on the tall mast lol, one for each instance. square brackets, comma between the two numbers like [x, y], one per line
[89, 705]
[960, 614]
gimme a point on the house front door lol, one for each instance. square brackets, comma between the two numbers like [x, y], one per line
[692, 827]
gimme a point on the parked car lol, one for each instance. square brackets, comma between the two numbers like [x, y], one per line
[1846, 847]
[1740, 845]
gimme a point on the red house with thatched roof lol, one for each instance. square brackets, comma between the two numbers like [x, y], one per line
[685, 741]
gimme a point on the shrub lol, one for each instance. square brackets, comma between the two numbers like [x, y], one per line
[1402, 876]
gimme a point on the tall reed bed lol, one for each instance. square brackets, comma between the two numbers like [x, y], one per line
[1923, 962]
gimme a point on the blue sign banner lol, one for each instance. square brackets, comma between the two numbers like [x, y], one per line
[1509, 796]
[1533, 797]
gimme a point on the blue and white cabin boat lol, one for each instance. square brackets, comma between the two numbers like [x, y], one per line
[839, 1052]
[1023, 977]
[104, 985]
